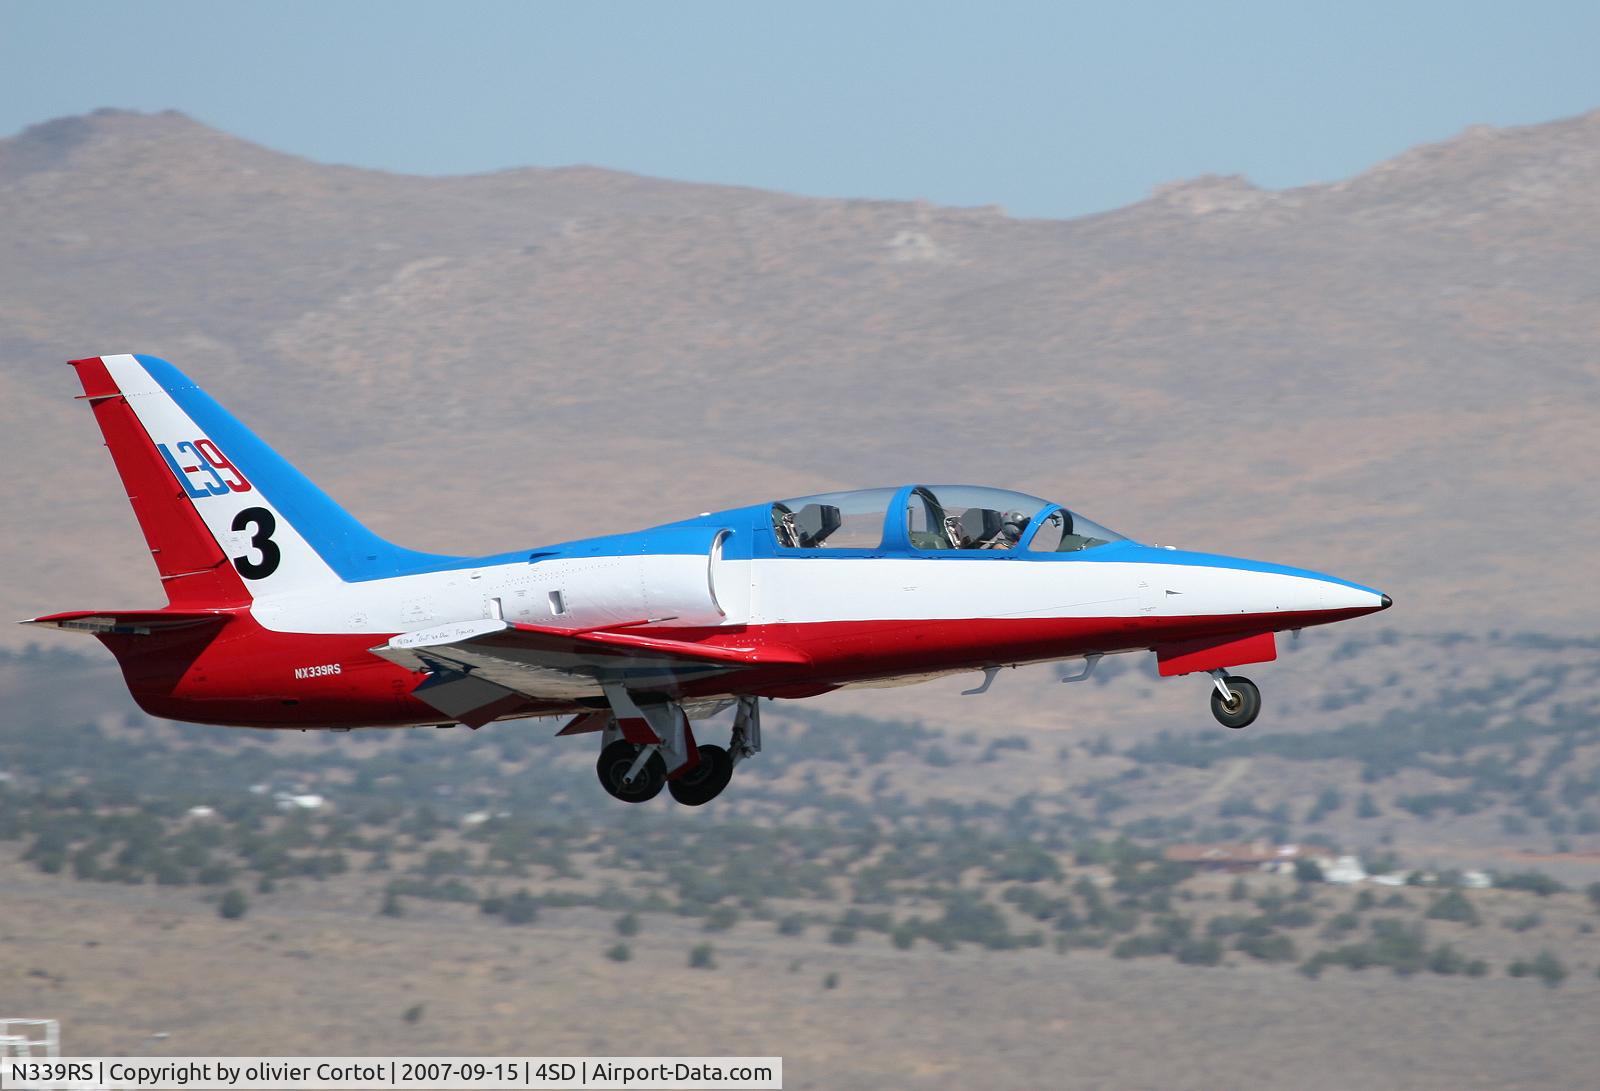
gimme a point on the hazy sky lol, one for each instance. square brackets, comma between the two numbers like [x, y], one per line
[1049, 109]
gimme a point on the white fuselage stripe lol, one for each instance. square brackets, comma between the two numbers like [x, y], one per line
[784, 591]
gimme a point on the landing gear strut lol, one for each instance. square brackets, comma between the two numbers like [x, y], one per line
[1236, 702]
[746, 739]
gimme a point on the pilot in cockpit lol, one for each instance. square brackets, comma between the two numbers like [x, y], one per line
[1012, 527]
[985, 528]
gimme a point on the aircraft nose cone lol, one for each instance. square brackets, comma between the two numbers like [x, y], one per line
[1339, 595]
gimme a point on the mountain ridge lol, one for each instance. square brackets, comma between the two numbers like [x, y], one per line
[57, 137]
[1390, 377]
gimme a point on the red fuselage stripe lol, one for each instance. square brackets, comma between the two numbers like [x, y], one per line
[246, 675]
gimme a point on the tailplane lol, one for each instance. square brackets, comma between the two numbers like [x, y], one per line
[131, 622]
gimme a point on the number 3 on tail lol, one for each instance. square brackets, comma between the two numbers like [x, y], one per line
[261, 542]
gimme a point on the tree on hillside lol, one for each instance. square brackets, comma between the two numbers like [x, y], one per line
[1453, 906]
[1328, 801]
[1545, 966]
[1535, 881]
[520, 908]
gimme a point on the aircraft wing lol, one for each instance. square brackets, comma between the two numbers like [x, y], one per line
[483, 669]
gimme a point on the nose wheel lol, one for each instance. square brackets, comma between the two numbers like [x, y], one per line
[1235, 702]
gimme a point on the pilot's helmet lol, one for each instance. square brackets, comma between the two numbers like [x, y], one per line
[1013, 523]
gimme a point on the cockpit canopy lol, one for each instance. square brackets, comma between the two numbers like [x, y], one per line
[931, 518]
[833, 520]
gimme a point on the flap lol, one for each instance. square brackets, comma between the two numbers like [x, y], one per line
[416, 648]
[486, 659]
[634, 642]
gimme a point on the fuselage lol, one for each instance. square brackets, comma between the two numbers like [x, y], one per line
[861, 616]
[284, 611]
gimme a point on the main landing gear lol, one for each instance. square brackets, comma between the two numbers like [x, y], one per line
[706, 780]
[631, 772]
[647, 747]
[1235, 702]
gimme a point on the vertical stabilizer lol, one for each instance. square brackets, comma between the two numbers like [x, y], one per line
[226, 518]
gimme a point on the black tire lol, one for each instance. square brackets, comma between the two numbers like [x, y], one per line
[705, 781]
[1244, 708]
[612, 768]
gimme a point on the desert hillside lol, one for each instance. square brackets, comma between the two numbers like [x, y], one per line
[883, 903]
[1392, 377]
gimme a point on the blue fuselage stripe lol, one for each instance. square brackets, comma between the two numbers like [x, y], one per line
[356, 554]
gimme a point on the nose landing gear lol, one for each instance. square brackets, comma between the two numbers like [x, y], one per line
[1236, 702]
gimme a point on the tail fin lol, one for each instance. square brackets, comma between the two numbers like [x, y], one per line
[226, 518]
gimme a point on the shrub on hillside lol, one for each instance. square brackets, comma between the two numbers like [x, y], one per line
[1536, 882]
[1545, 966]
[1453, 906]
[1268, 948]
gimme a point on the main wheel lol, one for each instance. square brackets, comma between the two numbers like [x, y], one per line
[612, 768]
[705, 781]
[1243, 709]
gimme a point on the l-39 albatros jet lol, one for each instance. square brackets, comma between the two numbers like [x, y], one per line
[284, 612]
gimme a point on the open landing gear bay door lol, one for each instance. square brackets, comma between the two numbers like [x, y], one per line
[481, 670]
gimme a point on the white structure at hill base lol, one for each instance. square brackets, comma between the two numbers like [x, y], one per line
[1344, 870]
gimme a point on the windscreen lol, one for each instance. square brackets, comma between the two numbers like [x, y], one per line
[1064, 531]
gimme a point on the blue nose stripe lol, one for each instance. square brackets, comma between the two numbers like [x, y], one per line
[1153, 555]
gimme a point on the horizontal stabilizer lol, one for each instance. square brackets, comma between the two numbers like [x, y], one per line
[133, 622]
